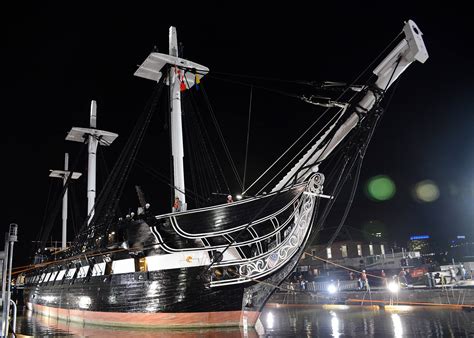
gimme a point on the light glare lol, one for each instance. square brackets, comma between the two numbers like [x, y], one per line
[393, 287]
[426, 191]
[332, 288]
[380, 188]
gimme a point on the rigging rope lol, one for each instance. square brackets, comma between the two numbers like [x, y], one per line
[39, 235]
[107, 203]
[221, 137]
[207, 138]
[163, 178]
[336, 192]
[57, 205]
[289, 148]
[255, 77]
[296, 96]
[363, 152]
[337, 118]
[247, 143]
[74, 214]
[283, 93]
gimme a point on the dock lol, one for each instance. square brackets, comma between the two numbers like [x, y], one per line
[459, 296]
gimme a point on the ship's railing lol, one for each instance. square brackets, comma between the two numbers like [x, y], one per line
[278, 226]
[215, 218]
[340, 285]
[274, 259]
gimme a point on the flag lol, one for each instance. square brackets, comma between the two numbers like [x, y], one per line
[197, 81]
[182, 85]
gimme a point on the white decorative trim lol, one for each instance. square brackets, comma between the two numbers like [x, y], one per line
[185, 234]
[169, 249]
[273, 260]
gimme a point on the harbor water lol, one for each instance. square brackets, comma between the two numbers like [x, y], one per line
[288, 321]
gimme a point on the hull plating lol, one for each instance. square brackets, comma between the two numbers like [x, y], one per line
[158, 320]
[186, 296]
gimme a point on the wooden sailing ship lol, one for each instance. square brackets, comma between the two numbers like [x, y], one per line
[210, 266]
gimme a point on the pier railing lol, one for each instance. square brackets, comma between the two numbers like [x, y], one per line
[340, 285]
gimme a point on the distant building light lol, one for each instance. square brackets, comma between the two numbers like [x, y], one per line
[461, 237]
[413, 238]
[344, 250]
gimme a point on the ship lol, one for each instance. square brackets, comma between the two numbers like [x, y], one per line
[212, 265]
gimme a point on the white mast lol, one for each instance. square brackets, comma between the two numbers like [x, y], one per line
[175, 78]
[91, 163]
[410, 49]
[181, 73]
[64, 175]
[94, 137]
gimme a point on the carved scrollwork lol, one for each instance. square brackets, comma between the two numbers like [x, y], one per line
[315, 184]
[276, 258]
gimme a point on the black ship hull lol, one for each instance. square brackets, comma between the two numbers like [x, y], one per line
[180, 283]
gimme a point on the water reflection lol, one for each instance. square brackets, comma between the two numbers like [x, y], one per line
[397, 325]
[334, 324]
[292, 321]
[39, 326]
[357, 322]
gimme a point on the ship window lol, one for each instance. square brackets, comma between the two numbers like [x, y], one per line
[83, 271]
[359, 250]
[70, 273]
[371, 249]
[344, 250]
[46, 279]
[142, 264]
[61, 274]
[98, 269]
[329, 253]
[42, 278]
[123, 266]
[53, 276]
[382, 249]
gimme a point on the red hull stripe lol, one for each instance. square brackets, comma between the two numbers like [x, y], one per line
[145, 319]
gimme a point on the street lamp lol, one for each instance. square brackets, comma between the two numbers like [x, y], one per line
[332, 289]
[11, 238]
[393, 287]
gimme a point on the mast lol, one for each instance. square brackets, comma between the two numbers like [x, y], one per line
[64, 175]
[91, 163]
[175, 78]
[182, 74]
[93, 137]
[410, 49]
[64, 213]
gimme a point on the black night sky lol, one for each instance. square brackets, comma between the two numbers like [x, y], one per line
[58, 57]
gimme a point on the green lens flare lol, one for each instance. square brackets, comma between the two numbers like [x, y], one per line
[380, 188]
